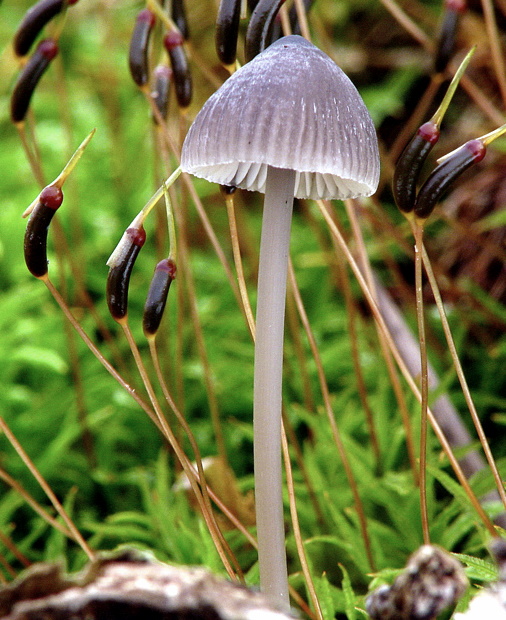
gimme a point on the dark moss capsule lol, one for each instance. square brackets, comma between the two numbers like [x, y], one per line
[180, 19]
[447, 35]
[227, 30]
[138, 59]
[260, 27]
[35, 243]
[118, 278]
[160, 91]
[165, 273]
[29, 78]
[445, 174]
[173, 42]
[34, 20]
[409, 166]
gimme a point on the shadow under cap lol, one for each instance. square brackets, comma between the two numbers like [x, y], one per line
[291, 107]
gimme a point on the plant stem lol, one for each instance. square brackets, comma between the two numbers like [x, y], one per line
[306, 570]
[272, 275]
[332, 421]
[424, 380]
[402, 366]
[462, 378]
[234, 238]
[71, 526]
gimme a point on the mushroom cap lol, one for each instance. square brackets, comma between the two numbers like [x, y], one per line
[290, 107]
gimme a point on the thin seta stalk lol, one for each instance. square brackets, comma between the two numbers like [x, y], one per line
[36, 507]
[121, 263]
[228, 193]
[495, 46]
[394, 379]
[330, 416]
[213, 238]
[406, 176]
[153, 312]
[296, 530]
[13, 548]
[197, 485]
[424, 380]
[191, 299]
[76, 534]
[449, 168]
[41, 212]
[461, 376]
[222, 547]
[404, 370]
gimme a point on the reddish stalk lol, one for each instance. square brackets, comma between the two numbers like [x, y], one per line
[296, 529]
[424, 379]
[9, 544]
[14, 484]
[355, 354]
[191, 299]
[495, 46]
[294, 328]
[408, 24]
[221, 545]
[75, 533]
[405, 372]
[462, 379]
[387, 356]
[96, 352]
[330, 415]
[236, 250]
[7, 567]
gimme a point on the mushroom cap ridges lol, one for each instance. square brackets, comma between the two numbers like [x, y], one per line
[290, 107]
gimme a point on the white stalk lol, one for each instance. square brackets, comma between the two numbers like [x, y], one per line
[272, 275]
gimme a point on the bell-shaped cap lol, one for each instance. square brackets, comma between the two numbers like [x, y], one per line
[290, 107]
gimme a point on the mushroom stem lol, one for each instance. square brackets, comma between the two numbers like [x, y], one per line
[272, 275]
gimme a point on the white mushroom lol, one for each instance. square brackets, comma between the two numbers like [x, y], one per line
[289, 123]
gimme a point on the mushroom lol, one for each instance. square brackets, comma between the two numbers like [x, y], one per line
[288, 123]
